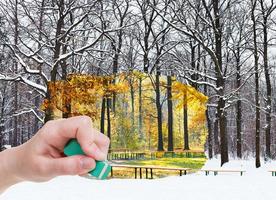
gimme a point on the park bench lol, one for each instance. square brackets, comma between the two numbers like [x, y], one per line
[207, 171]
[149, 169]
[177, 153]
[273, 172]
[126, 156]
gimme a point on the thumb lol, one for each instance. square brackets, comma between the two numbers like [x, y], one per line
[72, 165]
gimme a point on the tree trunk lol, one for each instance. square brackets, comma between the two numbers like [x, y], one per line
[194, 76]
[222, 131]
[132, 96]
[239, 131]
[109, 121]
[186, 131]
[16, 33]
[58, 43]
[159, 113]
[117, 51]
[67, 112]
[36, 102]
[103, 114]
[238, 109]
[209, 139]
[216, 136]
[170, 114]
[49, 112]
[220, 84]
[21, 130]
[257, 101]
[268, 92]
[140, 120]
[10, 132]
[15, 133]
[2, 125]
[2, 128]
[29, 135]
[37, 98]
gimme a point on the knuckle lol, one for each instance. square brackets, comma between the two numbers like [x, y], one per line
[48, 127]
[49, 124]
[106, 140]
[85, 120]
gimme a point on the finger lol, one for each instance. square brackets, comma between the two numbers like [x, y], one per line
[73, 165]
[102, 141]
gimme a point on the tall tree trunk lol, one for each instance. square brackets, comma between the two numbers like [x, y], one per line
[115, 71]
[37, 98]
[239, 131]
[10, 132]
[159, 113]
[109, 121]
[36, 102]
[185, 115]
[140, 120]
[21, 130]
[117, 49]
[194, 76]
[238, 108]
[222, 131]
[103, 114]
[170, 114]
[2, 128]
[2, 125]
[257, 100]
[208, 118]
[49, 112]
[16, 33]
[220, 84]
[132, 96]
[29, 127]
[216, 135]
[209, 138]
[268, 90]
[67, 102]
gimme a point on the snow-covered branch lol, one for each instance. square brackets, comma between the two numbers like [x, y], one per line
[41, 89]
[24, 111]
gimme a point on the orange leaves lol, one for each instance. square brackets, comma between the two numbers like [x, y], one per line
[80, 93]
[180, 90]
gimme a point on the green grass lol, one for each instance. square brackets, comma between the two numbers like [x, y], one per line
[193, 163]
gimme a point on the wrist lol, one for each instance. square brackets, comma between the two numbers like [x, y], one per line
[9, 168]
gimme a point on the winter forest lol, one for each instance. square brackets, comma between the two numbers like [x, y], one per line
[168, 55]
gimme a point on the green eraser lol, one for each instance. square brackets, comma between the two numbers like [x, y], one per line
[102, 168]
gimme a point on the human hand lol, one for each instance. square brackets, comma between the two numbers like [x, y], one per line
[42, 158]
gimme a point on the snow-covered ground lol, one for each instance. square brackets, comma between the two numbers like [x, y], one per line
[255, 184]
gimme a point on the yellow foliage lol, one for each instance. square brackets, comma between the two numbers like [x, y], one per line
[180, 90]
[83, 94]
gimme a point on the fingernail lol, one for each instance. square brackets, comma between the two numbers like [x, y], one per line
[87, 163]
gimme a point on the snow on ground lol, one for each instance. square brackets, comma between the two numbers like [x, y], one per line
[255, 184]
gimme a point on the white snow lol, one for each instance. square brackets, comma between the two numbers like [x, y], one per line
[255, 184]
